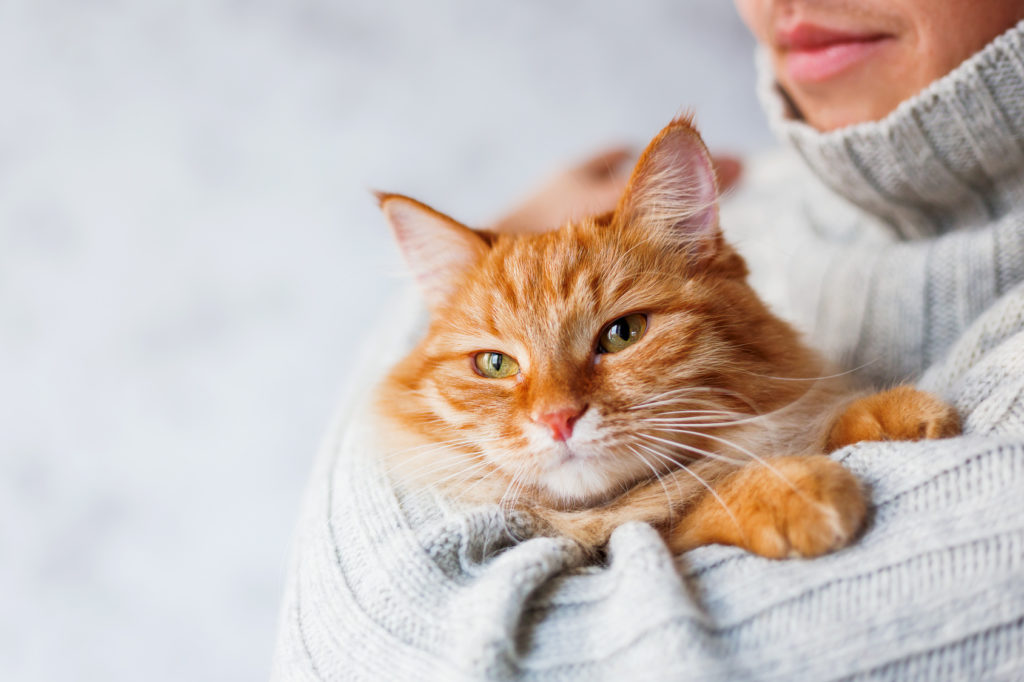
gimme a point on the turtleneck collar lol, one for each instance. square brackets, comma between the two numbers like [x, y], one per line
[949, 158]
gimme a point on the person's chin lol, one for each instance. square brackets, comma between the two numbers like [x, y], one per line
[841, 102]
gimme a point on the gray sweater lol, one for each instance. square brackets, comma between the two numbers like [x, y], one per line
[891, 238]
[906, 258]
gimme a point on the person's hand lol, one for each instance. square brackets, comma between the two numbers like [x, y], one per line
[590, 188]
[728, 169]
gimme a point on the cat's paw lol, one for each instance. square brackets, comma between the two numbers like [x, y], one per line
[801, 507]
[787, 507]
[901, 413]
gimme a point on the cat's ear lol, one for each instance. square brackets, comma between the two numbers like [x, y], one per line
[439, 250]
[673, 192]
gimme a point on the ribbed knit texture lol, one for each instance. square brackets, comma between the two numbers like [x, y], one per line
[940, 185]
[387, 586]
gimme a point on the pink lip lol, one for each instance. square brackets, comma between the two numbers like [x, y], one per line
[813, 53]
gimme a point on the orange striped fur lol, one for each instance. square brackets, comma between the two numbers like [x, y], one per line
[712, 426]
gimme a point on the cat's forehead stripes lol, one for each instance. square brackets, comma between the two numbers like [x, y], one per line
[552, 289]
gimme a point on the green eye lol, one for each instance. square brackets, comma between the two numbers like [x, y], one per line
[623, 332]
[495, 365]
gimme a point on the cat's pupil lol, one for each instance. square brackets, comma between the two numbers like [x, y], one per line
[496, 359]
[621, 329]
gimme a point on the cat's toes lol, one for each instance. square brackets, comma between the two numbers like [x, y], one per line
[902, 413]
[818, 508]
[942, 421]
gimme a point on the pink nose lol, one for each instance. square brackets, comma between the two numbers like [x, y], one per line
[561, 421]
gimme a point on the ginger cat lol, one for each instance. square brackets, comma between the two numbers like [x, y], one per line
[621, 368]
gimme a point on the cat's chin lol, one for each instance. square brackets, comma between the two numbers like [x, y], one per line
[583, 480]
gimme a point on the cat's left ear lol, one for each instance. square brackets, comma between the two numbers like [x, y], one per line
[673, 192]
[439, 250]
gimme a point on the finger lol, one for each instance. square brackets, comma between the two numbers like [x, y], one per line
[728, 169]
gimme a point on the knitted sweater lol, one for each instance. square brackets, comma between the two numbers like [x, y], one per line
[912, 260]
[893, 237]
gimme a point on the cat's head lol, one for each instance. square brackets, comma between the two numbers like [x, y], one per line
[572, 364]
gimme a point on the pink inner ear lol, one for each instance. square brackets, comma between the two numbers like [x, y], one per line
[439, 250]
[673, 189]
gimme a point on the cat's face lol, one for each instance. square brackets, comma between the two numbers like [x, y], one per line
[574, 363]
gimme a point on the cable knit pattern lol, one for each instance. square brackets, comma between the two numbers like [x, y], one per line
[917, 267]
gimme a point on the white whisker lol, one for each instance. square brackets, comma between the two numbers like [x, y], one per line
[757, 458]
[713, 455]
[657, 476]
[704, 483]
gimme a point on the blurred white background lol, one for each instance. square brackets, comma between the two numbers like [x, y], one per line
[189, 256]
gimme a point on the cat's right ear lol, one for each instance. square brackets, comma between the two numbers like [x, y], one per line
[439, 250]
[673, 192]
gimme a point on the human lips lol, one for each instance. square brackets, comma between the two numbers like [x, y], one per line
[813, 53]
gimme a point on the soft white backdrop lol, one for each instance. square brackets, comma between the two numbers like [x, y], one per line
[189, 256]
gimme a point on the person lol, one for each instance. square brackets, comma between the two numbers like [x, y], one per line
[892, 233]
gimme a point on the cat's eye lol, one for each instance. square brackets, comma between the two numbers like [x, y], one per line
[495, 365]
[621, 333]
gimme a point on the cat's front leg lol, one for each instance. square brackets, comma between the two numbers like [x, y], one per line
[655, 502]
[901, 413]
[589, 528]
[789, 506]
